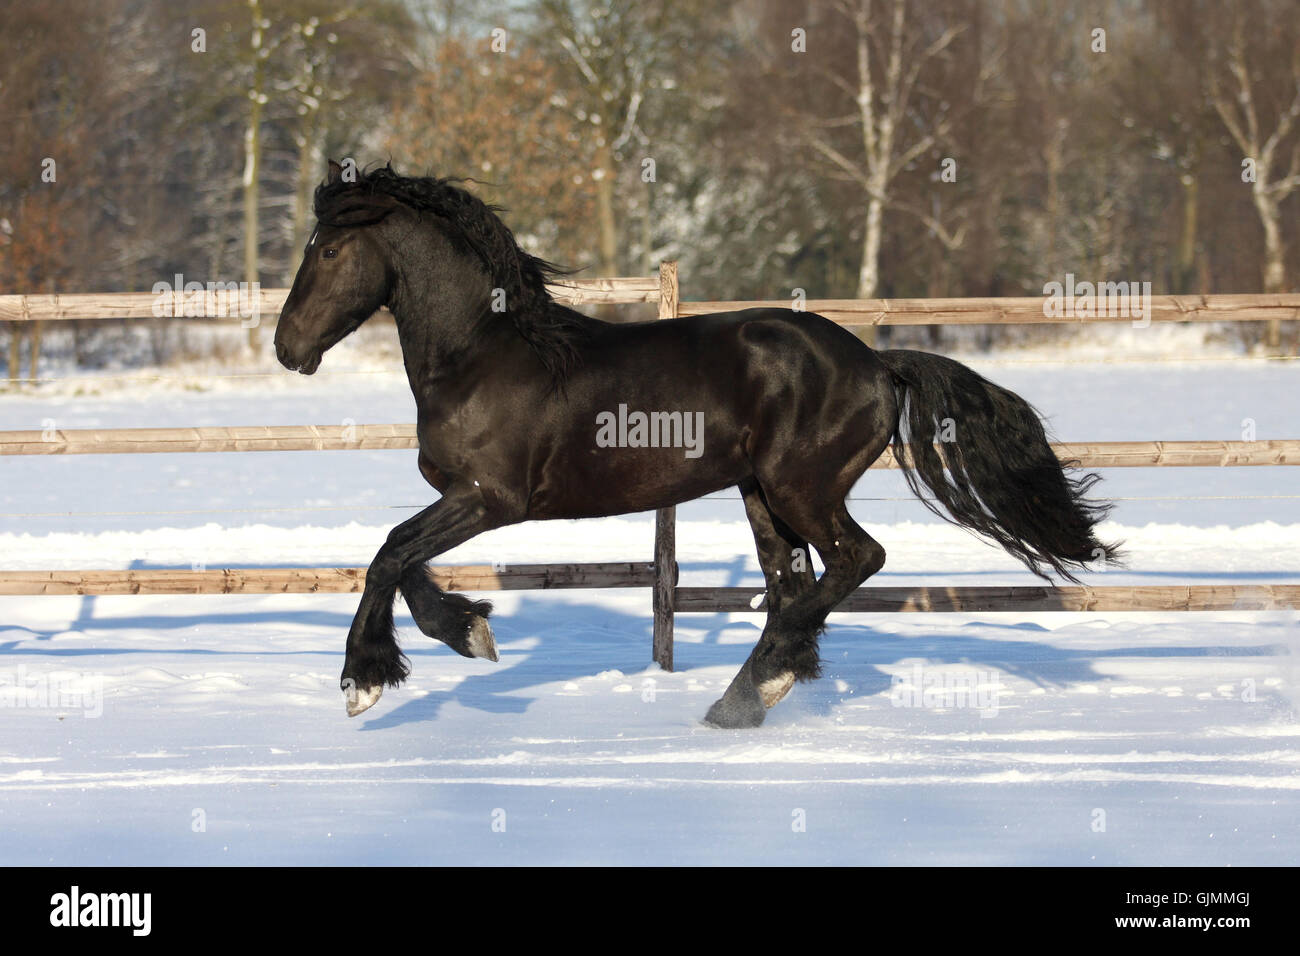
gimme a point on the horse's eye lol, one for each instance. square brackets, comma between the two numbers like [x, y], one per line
[331, 253]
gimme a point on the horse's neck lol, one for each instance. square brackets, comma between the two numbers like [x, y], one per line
[434, 317]
[440, 343]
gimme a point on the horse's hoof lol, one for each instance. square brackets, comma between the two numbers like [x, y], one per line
[361, 699]
[727, 713]
[775, 688]
[481, 642]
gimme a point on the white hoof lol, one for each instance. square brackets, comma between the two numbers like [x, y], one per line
[481, 642]
[360, 699]
[773, 689]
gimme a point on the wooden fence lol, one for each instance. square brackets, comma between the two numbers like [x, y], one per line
[660, 574]
[1026, 310]
[135, 441]
[226, 303]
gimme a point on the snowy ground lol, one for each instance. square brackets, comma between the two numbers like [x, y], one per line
[210, 729]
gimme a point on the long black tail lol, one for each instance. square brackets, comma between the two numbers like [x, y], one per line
[983, 453]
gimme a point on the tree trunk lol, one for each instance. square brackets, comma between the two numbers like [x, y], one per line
[1274, 261]
[605, 211]
[936, 287]
[1185, 265]
[251, 168]
[36, 349]
[1053, 160]
[15, 344]
[310, 167]
[253, 162]
[647, 232]
[606, 225]
[869, 271]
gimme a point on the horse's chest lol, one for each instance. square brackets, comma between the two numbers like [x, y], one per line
[433, 474]
[450, 449]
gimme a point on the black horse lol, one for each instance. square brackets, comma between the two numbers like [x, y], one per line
[528, 410]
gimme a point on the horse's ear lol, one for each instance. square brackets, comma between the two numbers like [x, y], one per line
[335, 173]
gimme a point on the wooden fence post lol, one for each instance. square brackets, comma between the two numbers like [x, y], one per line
[665, 518]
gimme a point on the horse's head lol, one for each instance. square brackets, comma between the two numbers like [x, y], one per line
[438, 257]
[345, 277]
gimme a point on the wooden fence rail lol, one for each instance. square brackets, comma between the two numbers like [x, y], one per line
[530, 577]
[477, 577]
[1206, 597]
[225, 303]
[133, 441]
[1024, 310]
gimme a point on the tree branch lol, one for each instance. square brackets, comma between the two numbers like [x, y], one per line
[950, 240]
[840, 160]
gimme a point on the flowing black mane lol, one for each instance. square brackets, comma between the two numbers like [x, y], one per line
[553, 331]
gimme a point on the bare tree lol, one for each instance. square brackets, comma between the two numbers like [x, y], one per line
[1235, 90]
[625, 62]
[890, 56]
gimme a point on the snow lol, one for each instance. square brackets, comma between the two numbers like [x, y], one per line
[210, 729]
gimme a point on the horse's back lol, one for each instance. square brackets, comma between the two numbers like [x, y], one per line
[773, 337]
[755, 370]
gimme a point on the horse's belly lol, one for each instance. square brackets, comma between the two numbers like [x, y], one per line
[613, 481]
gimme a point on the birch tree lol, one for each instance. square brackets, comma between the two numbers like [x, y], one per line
[1238, 95]
[257, 98]
[890, 57]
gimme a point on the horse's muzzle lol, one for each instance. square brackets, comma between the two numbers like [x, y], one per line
[306, 365]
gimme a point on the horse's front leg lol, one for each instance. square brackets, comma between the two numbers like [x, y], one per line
[373, 658]
[454, 619]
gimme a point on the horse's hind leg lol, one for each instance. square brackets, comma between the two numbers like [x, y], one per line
[787, 571]
[782, 554]
[787, 651]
